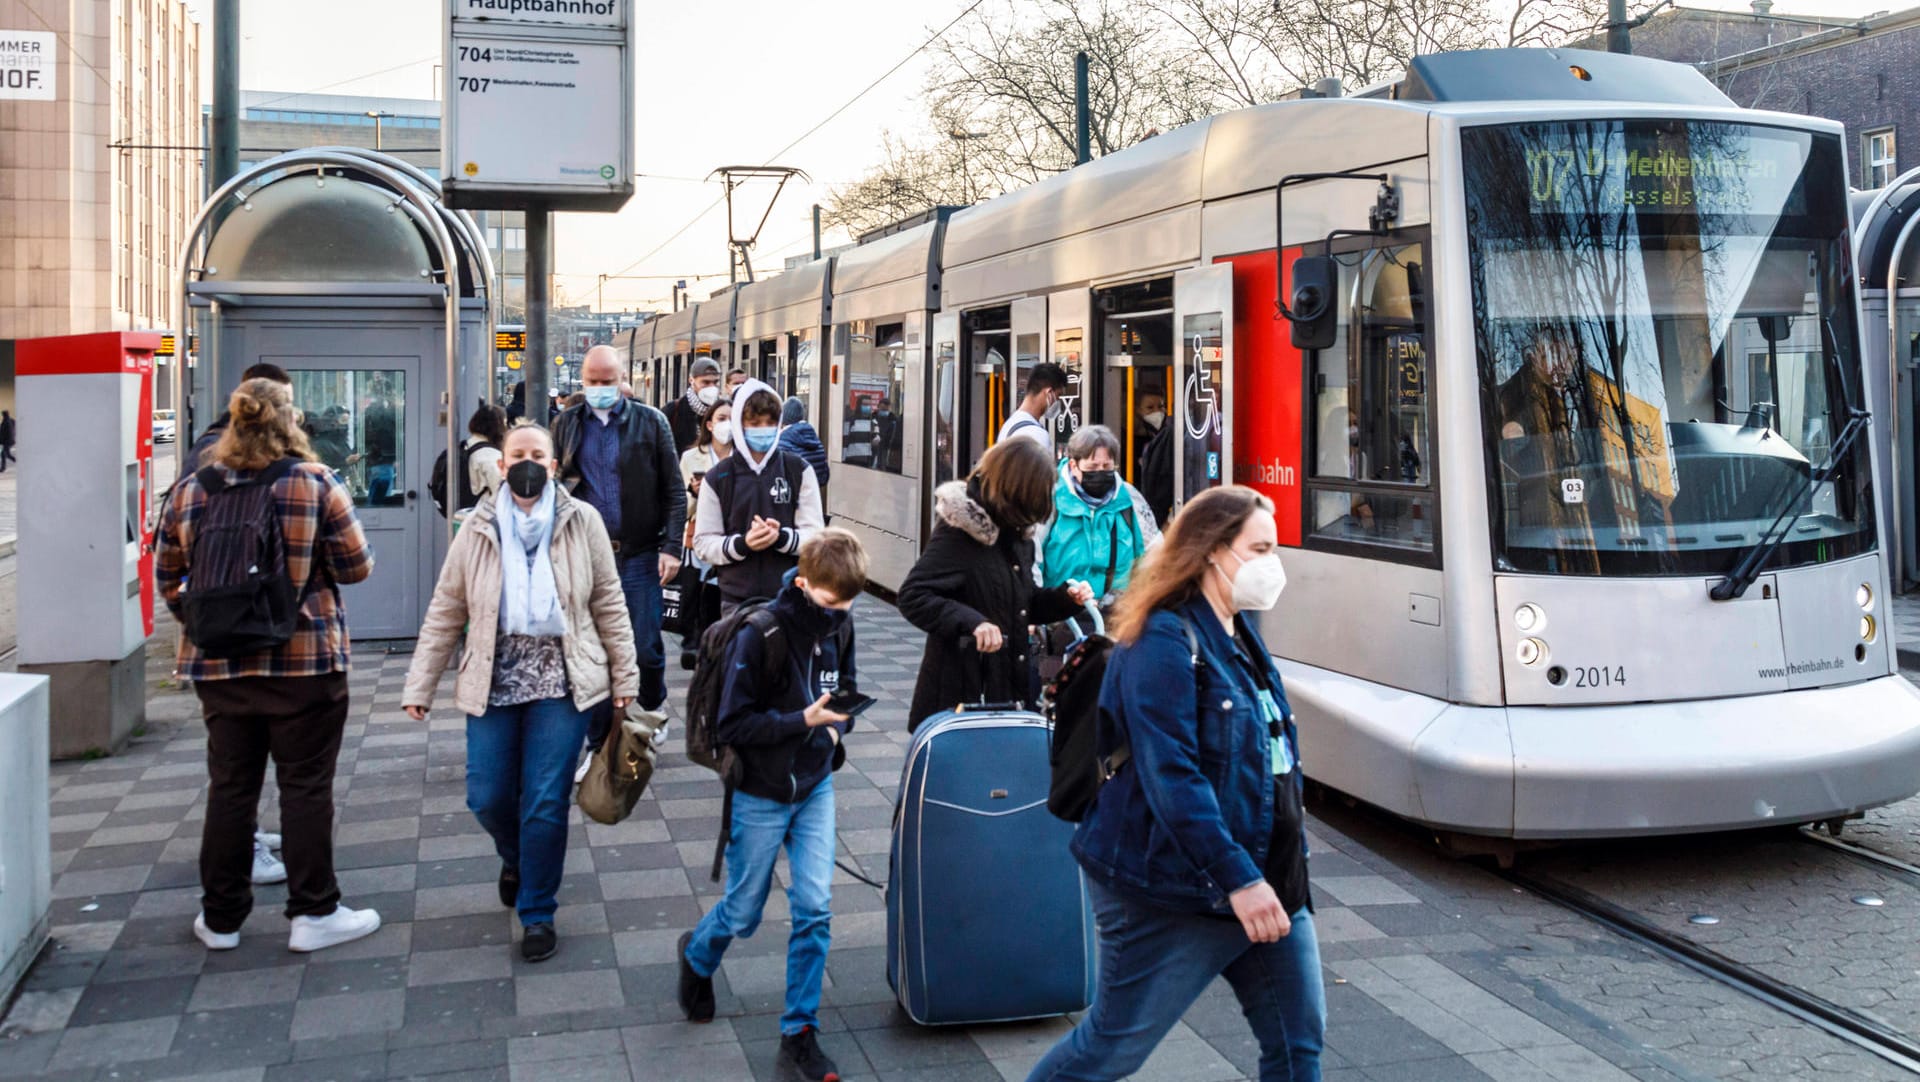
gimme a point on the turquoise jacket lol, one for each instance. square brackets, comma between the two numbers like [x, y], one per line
[1080, 539]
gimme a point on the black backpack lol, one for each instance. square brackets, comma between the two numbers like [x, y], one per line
[237, 599]
[1072, 703]
[463, 484]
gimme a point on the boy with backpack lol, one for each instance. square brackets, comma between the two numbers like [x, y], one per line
[759, 711]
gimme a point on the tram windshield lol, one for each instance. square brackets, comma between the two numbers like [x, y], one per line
[1664, 319]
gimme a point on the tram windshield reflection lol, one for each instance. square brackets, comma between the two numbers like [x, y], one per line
[1664, 319]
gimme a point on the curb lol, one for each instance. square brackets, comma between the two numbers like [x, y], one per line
[7, 545]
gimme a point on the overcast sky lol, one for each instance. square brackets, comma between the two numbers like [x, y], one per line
[719, 82]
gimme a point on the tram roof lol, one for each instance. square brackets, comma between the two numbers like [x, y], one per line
[761, 305]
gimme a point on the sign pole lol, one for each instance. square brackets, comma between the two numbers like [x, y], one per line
[536, 370]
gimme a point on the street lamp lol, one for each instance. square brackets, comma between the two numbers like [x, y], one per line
[377, 115]
[966, 172]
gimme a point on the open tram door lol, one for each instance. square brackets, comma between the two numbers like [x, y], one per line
[948, 378]
[1198, 408]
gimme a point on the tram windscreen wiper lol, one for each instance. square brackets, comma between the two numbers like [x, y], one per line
[1756, 557]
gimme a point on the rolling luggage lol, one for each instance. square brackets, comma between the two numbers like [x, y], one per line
[988, 918]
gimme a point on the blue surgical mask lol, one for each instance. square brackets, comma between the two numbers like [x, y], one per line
[761, 439]
[601, 398]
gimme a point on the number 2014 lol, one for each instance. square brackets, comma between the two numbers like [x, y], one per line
[1599, 676]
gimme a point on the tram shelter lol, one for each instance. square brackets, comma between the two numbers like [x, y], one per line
[344, 267]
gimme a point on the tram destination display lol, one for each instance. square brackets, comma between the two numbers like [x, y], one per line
[1699, 168]
[539, 104]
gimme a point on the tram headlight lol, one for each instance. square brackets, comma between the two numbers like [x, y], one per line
[1530, 651]
[1868, 629]
[1863, 597]
[1529, 618]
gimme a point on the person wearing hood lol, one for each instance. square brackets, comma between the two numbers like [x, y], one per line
[1101, 525]
[686, 414]
[974, 583]
[785, 666]
[799, 436]
[758, 506]
[533, 582]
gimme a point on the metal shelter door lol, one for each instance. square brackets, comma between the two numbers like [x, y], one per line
[372, 419]
[1069, 329]
[1202, 373]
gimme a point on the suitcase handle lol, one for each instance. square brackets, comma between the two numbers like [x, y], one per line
[967, 646]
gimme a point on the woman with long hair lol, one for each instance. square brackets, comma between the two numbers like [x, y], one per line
[288, 701]
[531, 582]
[1195, 850]
[975, 584]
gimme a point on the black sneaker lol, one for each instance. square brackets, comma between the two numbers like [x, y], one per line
[539, 942]
[802, 1051]
[509, 886]
[696, 992]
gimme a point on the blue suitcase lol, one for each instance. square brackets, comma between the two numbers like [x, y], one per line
[988, 918]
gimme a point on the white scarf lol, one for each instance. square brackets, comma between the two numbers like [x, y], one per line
[529, 597]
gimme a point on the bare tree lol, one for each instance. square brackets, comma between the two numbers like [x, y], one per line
[911, 178]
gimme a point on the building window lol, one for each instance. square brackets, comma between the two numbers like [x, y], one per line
[1881, 157]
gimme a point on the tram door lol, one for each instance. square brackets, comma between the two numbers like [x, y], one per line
[1202, 373]
[1029, 349]
[948, 381]
[986, 349]
[1134, 346]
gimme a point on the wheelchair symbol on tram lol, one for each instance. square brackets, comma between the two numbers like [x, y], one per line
[1202, 402]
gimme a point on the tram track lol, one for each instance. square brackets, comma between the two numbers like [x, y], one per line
[1873, 858]
[1868, 1034]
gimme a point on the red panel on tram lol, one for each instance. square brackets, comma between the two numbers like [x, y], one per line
[1267, 383]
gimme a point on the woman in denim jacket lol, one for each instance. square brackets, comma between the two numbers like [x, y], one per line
[1195, 851]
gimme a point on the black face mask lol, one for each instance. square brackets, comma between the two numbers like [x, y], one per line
[1098, 483]
[527, 478]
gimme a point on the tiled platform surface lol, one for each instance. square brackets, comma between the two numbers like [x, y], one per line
[1419, 987]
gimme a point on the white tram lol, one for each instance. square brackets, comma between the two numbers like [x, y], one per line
[1550, 362]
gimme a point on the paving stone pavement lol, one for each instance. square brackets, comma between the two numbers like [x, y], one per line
[1432, 973]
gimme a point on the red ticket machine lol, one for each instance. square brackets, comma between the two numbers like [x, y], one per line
[85, 419]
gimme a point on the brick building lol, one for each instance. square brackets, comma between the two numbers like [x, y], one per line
[1864, 73]
[97, 184]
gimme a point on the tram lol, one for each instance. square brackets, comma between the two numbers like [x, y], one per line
[1550, 361]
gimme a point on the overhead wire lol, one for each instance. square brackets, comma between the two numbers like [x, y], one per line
[804, 136]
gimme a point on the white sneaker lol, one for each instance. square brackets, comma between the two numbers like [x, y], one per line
[215, 941]
[267, 868]
[343, 925]
[271, 841]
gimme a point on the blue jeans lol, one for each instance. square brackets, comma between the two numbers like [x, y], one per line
[760, 828]
[520, 763]
[1155, 962]
[640, 582]
[380, 483]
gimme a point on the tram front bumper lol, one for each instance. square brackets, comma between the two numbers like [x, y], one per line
[1614, 771]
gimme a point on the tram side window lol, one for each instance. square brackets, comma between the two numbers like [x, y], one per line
[1372, 476]
[872, 428]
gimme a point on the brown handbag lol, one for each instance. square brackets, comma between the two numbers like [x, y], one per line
[621, 767]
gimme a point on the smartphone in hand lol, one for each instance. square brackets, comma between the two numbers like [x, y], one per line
[850, 703]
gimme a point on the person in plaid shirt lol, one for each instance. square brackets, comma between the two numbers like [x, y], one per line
[288, 703]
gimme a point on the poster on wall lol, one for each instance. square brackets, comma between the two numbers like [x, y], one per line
[27, 59]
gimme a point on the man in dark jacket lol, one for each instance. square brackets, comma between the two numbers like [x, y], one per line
[774, 714]
[686, 413]
[618, 455]
[799, 436]
[6, 439]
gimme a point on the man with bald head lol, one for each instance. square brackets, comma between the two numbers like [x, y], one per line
[619, 456]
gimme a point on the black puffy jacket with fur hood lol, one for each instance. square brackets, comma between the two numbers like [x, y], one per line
[974, 571]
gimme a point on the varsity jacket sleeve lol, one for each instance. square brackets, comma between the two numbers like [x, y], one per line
[745, 718]
[711, 541]
[808, 516]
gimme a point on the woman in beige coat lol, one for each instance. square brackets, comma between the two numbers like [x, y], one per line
[531, 579]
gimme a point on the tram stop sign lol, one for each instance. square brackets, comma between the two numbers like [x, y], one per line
[539, 104]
